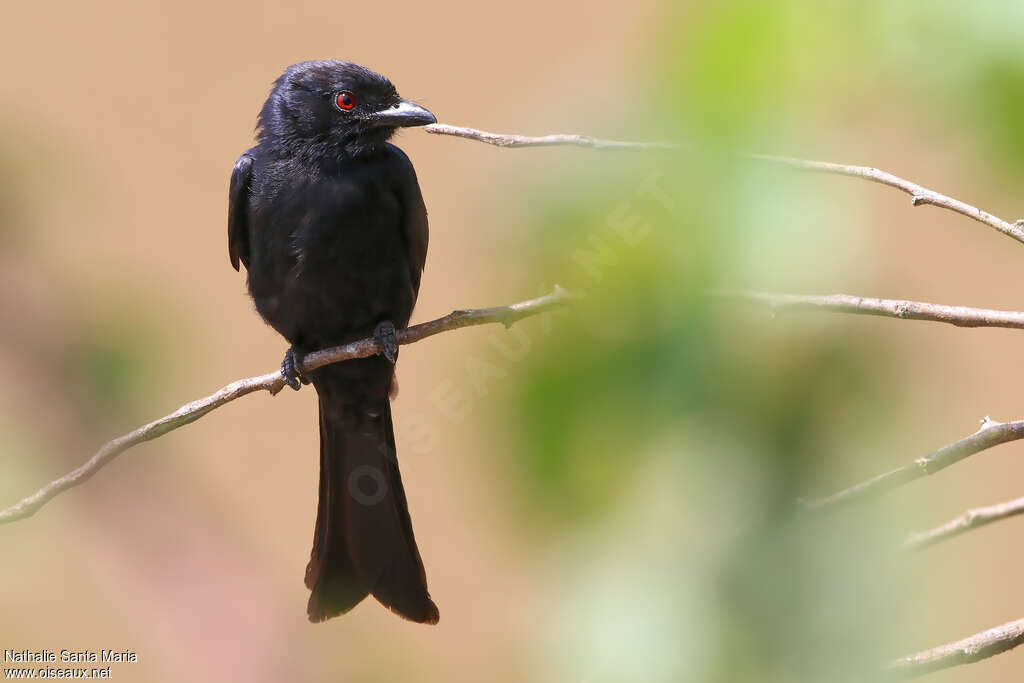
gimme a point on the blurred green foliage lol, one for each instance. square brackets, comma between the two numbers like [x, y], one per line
[648, 378]
[110, 369]
[998, 91]
[670, 437]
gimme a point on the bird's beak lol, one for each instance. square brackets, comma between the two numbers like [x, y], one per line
[402, 115]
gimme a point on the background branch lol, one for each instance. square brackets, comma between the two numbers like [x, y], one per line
[557, 140]
[972, 519]
[967, 651]
[991, 434]
[961, 316]
[919, 194]
[273, 382]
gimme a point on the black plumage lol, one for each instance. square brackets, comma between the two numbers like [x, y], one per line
[328, 219]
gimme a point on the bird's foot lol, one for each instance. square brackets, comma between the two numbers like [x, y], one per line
[387, 340]
[291, 368]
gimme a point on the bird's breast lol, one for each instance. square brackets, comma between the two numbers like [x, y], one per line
[342, 263]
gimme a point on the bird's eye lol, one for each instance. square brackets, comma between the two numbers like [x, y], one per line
[346, 100]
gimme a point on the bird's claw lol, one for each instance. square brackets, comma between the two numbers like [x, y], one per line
[291, 368]
[387, 340]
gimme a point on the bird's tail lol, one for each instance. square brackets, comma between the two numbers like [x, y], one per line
[363, 543]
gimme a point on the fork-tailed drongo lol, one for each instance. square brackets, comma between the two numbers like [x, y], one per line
[328, 219]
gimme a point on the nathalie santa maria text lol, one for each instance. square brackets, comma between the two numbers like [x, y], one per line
[50, 656]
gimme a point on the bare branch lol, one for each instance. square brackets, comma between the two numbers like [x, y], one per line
[961, 316]
[972, 519]
[559, 140]
[967, 651]
[273, 382]
[919, 194]
[991, 434]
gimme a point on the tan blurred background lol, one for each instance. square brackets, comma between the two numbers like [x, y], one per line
[117, 304]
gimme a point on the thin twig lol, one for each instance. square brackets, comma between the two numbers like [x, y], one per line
[967, 651]
[972, 519]
[558, 140]
[919, 194]
[961, 316]
[991, 434]
[273, 382]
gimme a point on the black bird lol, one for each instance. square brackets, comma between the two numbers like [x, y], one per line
[328, 219]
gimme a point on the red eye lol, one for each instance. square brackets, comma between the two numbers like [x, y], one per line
[346, 100]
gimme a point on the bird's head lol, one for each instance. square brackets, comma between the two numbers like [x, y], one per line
[332, 108]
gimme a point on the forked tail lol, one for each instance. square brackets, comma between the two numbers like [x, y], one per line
[363, 543]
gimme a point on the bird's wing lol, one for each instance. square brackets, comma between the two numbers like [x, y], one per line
[417, 233]
[238, 210]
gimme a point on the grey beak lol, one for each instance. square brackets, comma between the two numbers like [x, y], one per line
[402, 115]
